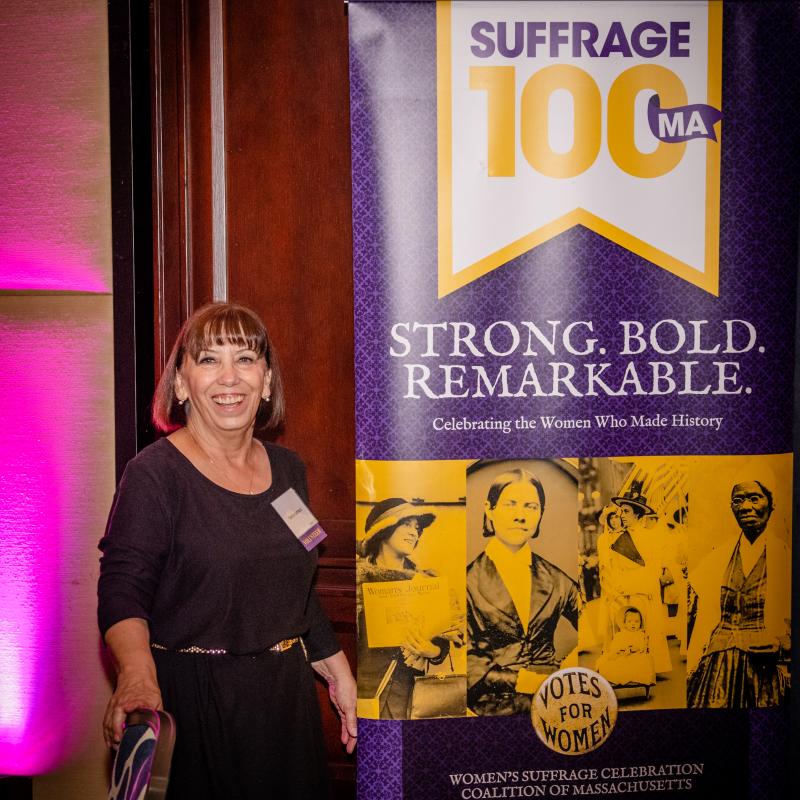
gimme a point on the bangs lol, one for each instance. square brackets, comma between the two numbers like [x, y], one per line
[218, 325]
[226, 324]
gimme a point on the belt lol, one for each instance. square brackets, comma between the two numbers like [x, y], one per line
[280, 647]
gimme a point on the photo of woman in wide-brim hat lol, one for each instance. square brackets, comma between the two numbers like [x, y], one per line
[391, 533]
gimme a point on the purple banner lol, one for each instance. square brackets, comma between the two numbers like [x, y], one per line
[575, 346]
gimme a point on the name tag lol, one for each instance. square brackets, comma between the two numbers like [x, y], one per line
[297, 515]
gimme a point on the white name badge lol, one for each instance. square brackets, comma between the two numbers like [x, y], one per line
[297, 515]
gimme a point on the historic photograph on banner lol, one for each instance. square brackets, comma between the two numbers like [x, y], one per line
[739, 601]
[632, 518]
[522, 579]
[410, 543]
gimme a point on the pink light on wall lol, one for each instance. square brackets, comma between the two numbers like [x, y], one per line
[56, 388]
[55, 375]
[55, 232]
[25, 268]
[29, 521]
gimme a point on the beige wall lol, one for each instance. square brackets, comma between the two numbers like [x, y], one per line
[56, 375]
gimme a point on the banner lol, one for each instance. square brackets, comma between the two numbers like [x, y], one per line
[575, 254]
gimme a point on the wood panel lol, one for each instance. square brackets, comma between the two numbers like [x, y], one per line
[276, 176]
[289, 228]
[167, 58]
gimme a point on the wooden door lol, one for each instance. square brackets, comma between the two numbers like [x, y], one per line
[251, 176]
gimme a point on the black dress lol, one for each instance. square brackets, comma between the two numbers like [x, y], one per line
[739, 668]
[215, 569]
[498, 646]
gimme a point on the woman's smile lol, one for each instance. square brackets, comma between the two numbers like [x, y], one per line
[404, 538]
[228, 400]
[224, 386]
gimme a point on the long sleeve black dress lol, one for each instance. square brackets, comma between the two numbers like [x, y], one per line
[214, 569]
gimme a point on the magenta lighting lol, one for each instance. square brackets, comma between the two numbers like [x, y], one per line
[30, 515]
[56, 380]
[53, 385]
[24, 268]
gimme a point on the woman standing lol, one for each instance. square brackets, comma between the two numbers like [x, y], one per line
[741, 611]
[636, 573]
[392, 530]
[515, 599]
[205, 596]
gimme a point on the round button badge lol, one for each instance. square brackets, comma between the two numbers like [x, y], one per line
[574, 711]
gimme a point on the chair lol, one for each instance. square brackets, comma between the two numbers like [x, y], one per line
[141, 765]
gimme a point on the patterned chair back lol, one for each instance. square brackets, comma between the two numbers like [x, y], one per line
[141, 765]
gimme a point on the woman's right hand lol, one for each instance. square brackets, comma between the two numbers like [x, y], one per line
[137, 684]
[134, 690]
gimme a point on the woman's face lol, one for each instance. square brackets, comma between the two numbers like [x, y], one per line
[224, 387]
[628, 516]
[516, 516]
[404, 538]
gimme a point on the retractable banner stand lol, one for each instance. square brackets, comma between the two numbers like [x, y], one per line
[576, 238]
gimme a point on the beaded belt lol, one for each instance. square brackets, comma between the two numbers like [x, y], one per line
[280, 647]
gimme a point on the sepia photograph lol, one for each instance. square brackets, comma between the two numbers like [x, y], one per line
[740, 583]
[522, 592]
[633, 517]
[410, 518]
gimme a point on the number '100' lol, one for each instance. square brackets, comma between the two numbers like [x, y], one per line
[500, 86]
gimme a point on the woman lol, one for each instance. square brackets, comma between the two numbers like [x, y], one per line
[515, 599]
[392, 531]
[740, 610]
[205, 595]
[611, 528]
[635, 571]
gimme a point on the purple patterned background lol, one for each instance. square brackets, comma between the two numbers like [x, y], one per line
[737, 750]
[579, 274]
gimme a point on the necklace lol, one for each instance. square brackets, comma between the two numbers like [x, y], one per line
[220, 469]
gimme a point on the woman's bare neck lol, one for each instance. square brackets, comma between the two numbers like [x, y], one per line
[390, 560]
[233, 447]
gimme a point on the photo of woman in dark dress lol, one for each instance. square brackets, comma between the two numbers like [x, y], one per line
[740, 613]
[515, 600]
[206, 597]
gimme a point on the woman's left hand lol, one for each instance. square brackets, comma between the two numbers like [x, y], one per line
[343, 697]
[418, 645]
[342, 691]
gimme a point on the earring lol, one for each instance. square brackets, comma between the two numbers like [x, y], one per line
[266, 397]
[181, 402]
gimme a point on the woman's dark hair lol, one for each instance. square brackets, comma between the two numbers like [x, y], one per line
[505, 479]
[217, 324]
